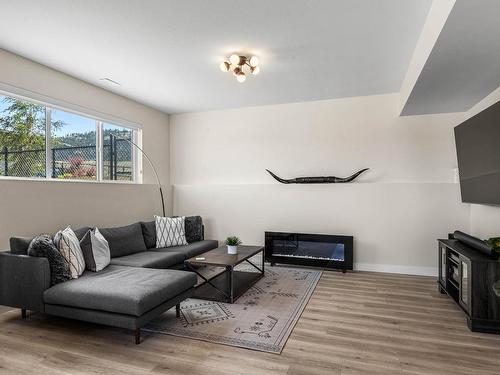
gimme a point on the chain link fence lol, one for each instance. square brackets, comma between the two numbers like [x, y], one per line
[71, 162]
[29, 163]
[117, 160]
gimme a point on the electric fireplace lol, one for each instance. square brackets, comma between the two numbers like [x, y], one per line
[316, 250]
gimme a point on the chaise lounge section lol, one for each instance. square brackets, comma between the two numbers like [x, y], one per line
[140, 283]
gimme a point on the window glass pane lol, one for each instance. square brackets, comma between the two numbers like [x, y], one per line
[22, 138]
[117, 153]
[73, 143]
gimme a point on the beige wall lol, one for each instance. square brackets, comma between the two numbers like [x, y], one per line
[396, 211]
[31, 207]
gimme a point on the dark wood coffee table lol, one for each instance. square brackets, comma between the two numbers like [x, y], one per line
[228, 284]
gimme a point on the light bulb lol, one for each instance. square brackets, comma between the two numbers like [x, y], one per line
[224, 66]
[241, 77]
[254, 70]
[235, 59]
[254, 61]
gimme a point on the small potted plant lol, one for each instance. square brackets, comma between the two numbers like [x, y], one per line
[232, 244]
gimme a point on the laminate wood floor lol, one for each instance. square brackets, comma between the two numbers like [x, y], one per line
[355, 323]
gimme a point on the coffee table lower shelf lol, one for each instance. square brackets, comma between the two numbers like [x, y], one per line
[219, 289]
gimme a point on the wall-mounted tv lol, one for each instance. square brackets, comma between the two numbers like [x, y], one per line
[478, 153]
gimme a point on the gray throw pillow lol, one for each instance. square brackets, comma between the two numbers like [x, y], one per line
[43, 246]
[95, 250]
[194, 228]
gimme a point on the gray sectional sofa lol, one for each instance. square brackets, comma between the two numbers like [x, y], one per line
[140, 284]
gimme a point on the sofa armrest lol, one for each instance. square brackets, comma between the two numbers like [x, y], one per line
[23, 279]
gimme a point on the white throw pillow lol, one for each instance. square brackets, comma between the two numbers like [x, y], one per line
[170, 231]
[68, 245]
[95, 250]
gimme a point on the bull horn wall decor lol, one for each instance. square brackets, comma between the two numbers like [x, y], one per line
[318, 179]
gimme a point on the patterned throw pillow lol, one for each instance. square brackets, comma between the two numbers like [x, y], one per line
[170, 231]
[95, 250]
[68, 245]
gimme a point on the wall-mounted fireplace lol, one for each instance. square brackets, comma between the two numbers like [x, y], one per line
[317, 250]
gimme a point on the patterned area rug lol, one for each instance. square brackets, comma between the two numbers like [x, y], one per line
[261, 319]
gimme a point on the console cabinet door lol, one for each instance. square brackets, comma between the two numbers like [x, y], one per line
[464, 297]
[442, 265]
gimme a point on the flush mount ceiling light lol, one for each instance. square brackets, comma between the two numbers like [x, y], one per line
[238, 64]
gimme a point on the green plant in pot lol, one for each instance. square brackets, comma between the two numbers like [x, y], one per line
[232, 244]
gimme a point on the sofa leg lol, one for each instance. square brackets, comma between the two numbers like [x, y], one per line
[178, 310]
[23, 313]
[137, 336]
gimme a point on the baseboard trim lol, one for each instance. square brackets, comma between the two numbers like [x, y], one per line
[394, 268]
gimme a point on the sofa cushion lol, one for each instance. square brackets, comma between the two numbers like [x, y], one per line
[149, 233]
[150, 259]
[191, 250]
[122, 290]
[19, 245]
[124, 240]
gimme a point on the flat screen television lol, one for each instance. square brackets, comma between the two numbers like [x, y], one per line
[478, 152]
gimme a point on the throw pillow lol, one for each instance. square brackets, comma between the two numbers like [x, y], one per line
[43, 246]
[194, 228]
[95, 250]
[68, 245]
[170, 231]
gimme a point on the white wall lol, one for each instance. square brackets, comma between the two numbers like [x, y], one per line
[31, 207]
[395, 211]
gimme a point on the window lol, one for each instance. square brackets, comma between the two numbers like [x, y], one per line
[117, 158]
[73, 146]
[22, 138]
[38, 141]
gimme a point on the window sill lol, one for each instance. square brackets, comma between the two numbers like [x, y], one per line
[56, 180]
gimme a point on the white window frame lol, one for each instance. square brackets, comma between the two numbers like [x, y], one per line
[99, 118]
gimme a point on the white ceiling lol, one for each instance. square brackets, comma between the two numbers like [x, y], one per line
[166, 53]
[464, 64]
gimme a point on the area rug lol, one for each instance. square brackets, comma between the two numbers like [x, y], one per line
[261, 319]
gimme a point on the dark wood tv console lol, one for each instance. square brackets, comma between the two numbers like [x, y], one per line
[467, 276]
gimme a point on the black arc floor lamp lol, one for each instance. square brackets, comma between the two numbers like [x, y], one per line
[152, 167]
